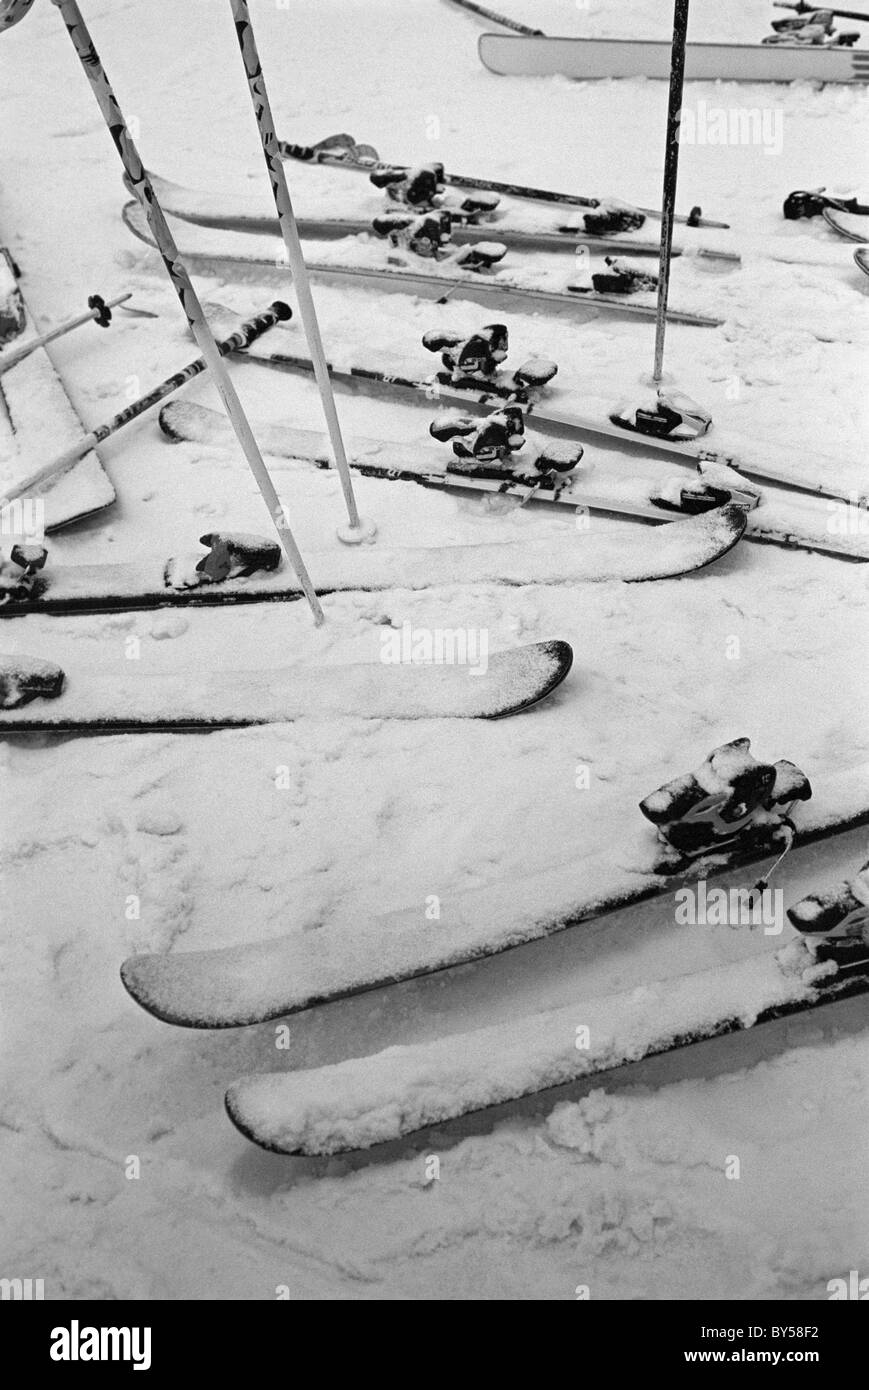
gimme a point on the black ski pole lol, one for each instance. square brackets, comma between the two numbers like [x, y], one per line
[671, 171]
[802, 8]
[498, 18]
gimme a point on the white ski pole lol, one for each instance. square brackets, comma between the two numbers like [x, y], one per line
[11, 11]
[357, 530]
[143, 189]
[99, 311]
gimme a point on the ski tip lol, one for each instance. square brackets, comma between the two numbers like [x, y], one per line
[560, 653]
[249, 1103]
[733, 519]
[234, 1105]
[146, 978]
[165, 420]
[539, 668]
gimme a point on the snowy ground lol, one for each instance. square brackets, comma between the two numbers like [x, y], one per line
[624, 1191]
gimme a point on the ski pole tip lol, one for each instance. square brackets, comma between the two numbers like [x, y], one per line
[363, 533]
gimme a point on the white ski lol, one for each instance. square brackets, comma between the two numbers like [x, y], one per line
[521, 55]
[364, 1101]
[234, 986]
[503, 684]
[644, 553]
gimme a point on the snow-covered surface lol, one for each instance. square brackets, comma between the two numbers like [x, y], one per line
[152, 842]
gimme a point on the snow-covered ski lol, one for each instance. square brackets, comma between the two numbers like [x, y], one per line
[343, 152]
[249, 252]
[364, 1101]
[627, 487]
[234, 986]
[36, 696]
[520, 55]
[241, 212]
[248, 569]
[36, 418]
[549, 412]
[861, 259]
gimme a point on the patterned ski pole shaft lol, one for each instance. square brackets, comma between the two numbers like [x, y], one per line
[242, 338]
[286, 217]
[11, 11]
[100, 312]
[671, 171]
[141, 185]
[499, 19]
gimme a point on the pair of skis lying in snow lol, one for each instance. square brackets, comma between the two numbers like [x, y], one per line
[519, 228]
[827, 519]
[367, 266]
[731, 814]
[245, 569]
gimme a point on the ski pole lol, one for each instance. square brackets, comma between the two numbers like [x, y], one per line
[802, 8]
[99, 311]
[247, 333]
[11, 11]
[141, 184]
[357, 530]
[671, 170]
[498, 18]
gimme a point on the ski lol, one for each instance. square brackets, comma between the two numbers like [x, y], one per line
[550, 412]
[239, 568]
[234, 986]
[241, 212]
[36, 415]
[853, 226]
[504, 684]
[342, 152]
[861, 259]
[632, 488]
[524, 56]
[246, 252]
[365, 1101]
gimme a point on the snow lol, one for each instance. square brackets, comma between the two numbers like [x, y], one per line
[330, 825]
